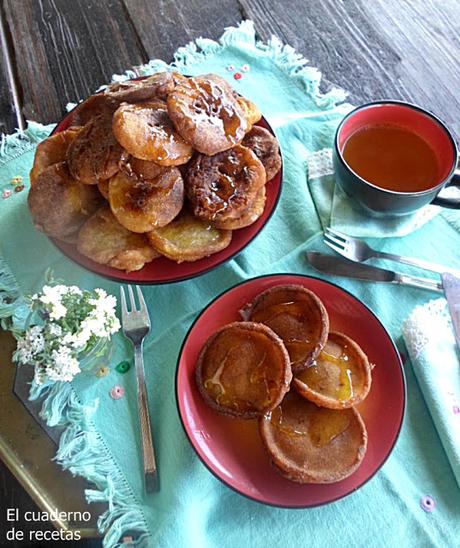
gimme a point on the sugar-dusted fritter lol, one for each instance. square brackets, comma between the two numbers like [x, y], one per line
[94, 105]
[298, 316]
[94, 155]
[207, 114]
[157, 86]
[310, 444]
[103, 187]
[222, 187]
[141, 205]
[248, 217]
[265, 147]
[250, 109]
[52, 151]
[146, 132]
[340, 376]
[243, 370]
[104, 240]
[188, 239]
[143, 169]
[59, 204]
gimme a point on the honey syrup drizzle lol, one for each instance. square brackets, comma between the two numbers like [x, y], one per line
[297, 348]
[312, 377]
[257, 375]
[322, 426]
[326, 425]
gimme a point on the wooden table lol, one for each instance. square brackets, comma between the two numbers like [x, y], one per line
[59, 51]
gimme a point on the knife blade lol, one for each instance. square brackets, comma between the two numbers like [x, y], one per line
[339, 266]
[451, 285]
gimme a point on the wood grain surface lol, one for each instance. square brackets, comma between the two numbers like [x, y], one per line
[64, 50]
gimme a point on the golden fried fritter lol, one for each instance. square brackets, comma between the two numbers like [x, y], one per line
[157, 86]
[250, 109]
[298, 316]
[266, 148]
[94, 155]
[222, 187]
[206, 113]
[94, 105]
[340, 376]
[310, 444]
[52, 151]
[104, 240]
[249, 216]
[59, 204]
[146, 132]
[141, 205]
[243, 370]
[189, 239]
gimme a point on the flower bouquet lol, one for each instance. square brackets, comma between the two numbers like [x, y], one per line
[67, 331]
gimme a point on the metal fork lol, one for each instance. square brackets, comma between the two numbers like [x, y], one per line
[359, 251]
[136, 326]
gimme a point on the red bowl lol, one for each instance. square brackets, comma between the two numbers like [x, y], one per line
[231, 448]
[163, 270]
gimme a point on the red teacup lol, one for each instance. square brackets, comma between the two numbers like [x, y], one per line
[398, 198]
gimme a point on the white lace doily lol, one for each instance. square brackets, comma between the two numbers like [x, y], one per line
[320, 163]
[428, 322]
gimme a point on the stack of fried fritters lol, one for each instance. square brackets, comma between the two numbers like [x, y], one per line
[166, 165]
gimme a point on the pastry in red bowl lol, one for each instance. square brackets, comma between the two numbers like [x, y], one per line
[288, 451]
[183, 166]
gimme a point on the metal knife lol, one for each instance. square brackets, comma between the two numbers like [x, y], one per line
[451, 285]
[338, 266]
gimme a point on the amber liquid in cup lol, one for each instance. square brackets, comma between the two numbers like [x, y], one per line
[392, 158]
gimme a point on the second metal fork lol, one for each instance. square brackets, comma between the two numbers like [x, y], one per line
[136, 326]
[359, 251]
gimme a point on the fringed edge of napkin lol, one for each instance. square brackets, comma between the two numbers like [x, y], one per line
[81, 450]
[12, 146]
[284, 57]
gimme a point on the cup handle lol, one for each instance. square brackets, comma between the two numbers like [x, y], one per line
[452, 203]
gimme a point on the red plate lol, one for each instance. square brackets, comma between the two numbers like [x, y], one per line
[231, 448]
[162, 270]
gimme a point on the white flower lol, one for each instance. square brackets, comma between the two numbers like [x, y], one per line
[55, 330]
[32, 344]
[23, 352]
[76, 340]
[36, 339]
[65, 366]
[73, 289]
[51, 298]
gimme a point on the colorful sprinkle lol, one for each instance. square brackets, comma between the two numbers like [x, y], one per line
[18, 188]
[427, 503]
[245, 68]
[231, 68]
[102, 372]
[237, 76]
[117, 392]
[123, 366]
[6, 194]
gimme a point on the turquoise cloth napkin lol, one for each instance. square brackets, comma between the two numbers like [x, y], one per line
[430, 340]
[336, 210]
[102, 443]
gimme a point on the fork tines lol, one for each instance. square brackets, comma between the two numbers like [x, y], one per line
[335, 240]
[141, 311]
